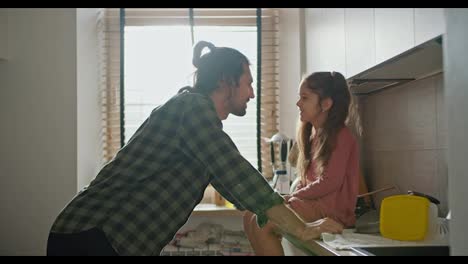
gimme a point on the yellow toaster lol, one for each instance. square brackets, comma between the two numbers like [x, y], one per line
[404, 217]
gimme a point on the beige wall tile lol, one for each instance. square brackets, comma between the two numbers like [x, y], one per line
[421, 115]
[384, 122]
[423, 170]
[441, 181]
[368, 122]
[388, 127]
[442, 125]
[404, 140]
[382, 172]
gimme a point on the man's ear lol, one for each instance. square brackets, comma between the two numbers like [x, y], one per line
[327, 104]
[225, 88]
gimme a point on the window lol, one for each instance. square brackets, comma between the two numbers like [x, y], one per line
[158, 63]
[151, 36]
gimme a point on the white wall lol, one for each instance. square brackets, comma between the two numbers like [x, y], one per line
[38, 135]
[3, 33]
[88, 111]
[290, 76]
[456, 82]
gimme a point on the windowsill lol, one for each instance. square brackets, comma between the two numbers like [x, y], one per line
[215, 210]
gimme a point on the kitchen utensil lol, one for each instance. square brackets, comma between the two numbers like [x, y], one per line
[368, 223]
[431, 199]
[443, 227]
[284, 153]
[282, 140]
[282, 183]
[438, 226]
[361, 195]
[278, 137]
[272, 155]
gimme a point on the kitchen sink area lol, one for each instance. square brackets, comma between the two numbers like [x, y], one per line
[403, 251]
[367, 248]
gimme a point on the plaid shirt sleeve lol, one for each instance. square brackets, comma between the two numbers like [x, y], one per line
[233, 175]
[226, 194]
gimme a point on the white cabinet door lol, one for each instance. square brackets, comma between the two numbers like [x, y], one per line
[325, 40]
[3, 33]
[428, 23]
[360, 40]
[394, 32]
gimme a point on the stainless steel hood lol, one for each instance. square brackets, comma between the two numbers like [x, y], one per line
[419, 62]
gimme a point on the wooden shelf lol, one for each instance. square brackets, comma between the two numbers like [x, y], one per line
[215, 210]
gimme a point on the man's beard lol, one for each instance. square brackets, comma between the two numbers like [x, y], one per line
[241, 112]
[238, 110]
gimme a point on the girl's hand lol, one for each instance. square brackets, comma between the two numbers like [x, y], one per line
[326, 225]
[286, 198]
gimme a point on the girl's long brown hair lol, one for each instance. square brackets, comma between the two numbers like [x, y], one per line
[342, 113]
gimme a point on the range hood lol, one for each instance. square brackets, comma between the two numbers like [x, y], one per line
[419, 62]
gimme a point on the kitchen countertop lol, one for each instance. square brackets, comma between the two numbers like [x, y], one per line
[318, 247]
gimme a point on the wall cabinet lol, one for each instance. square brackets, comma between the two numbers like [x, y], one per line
[394, 32]
[3, 34]
[351, 40]
[428, 23]
[360, 40]
[325, 40]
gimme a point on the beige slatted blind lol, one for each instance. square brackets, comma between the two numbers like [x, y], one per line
[110, 69]
[109, 81]
[270, 84]
[156, 16]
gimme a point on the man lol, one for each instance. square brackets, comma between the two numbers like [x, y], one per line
[141, 198]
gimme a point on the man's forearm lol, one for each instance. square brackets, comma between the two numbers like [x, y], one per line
[288, 221]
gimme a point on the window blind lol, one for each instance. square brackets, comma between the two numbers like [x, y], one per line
[108, 28]
[269, 120]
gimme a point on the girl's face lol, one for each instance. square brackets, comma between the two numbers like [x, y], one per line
[310, 107]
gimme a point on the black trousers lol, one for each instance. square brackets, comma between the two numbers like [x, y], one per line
[92, 242]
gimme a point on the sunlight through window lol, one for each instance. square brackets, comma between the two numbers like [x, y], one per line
[158, 62]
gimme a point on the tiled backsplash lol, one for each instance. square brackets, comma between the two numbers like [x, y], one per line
[405, 139]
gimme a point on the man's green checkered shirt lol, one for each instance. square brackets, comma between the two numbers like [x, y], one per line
[147, 192]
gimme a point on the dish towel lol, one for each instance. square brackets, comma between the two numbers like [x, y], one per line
[349, 238]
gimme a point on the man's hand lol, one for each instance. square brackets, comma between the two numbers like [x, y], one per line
[286, 198]
[315, 229]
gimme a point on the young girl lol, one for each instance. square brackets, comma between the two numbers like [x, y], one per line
[327, 163]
